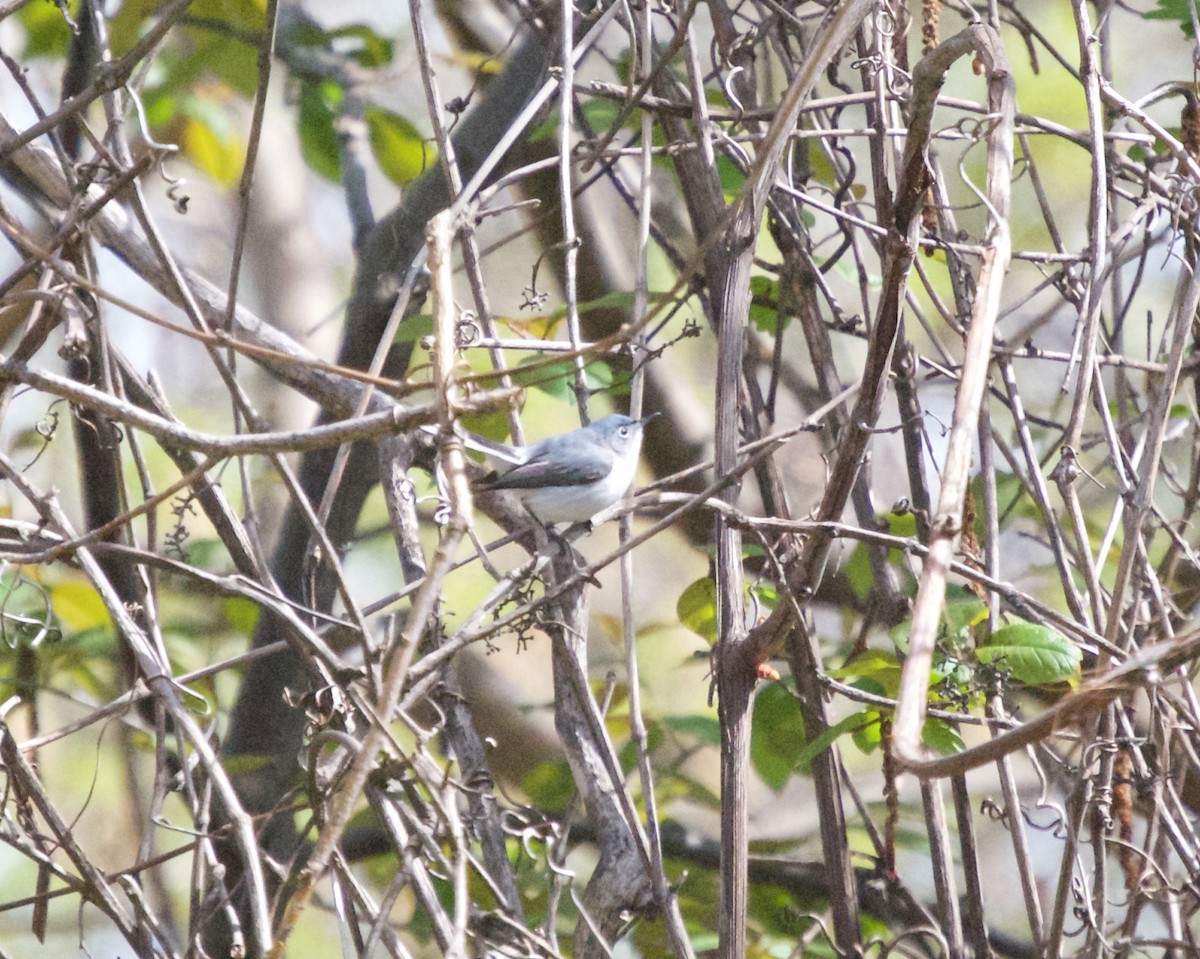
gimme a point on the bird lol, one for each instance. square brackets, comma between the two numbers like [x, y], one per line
[571, 477]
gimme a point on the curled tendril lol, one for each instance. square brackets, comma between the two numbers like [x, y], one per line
[885, 23]
[174, 184]
[93, 172]
[178, 199]
[873, 62]
[47, 429]
[1094, 751]
[823, 929]
[528, 826]
[47, 426]
[441, 512]
[467, 330]
[24, 626]
[993, 810]
[971, 129]
[898, 80]
[1057, 826]
[886, 948]
[118, 434]
[727, 86]
[735, 149]
[1183, 195]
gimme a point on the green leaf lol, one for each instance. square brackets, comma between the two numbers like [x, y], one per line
[858, 567]
[901, 524]
[550, 785]
[599, 115]
[160, 107]
[697, 609]
[318, 141]
[245, 763]
[242, 613]
[415, 328]
[557, 378]
[46, 31]
[221, 41]
[628, 755]
[962, 613]
[363, 44]
[399, 149]
[1031, 653]
[209, 553]
[868, 736]
[705, 728]
[1179, 10]
[765, 593]
[613, 300]
[851, 724]
[777, 739]
[678, 786]
[820, 166]
[858, 572]
[731, 177]
[243, 15]
[878, 666]
[623, 67]
[96, 642]
[1011, 497]
[764, 305]
[232, 61]
[941, 737]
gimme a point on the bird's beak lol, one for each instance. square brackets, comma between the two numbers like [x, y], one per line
[646, 419]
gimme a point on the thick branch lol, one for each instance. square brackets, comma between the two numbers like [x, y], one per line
[945, 525]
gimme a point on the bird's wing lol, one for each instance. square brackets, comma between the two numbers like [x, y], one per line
[538, 471]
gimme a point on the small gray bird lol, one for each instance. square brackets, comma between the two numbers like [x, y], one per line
[572, 477]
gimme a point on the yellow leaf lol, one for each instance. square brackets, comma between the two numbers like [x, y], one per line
[475, 62]
[221, 157]
[78, 606]
[539, 327]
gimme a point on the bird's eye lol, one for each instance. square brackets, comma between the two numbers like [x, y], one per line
[624, 431]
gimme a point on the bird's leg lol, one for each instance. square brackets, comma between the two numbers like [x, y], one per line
[559, 539]
[564, 540]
